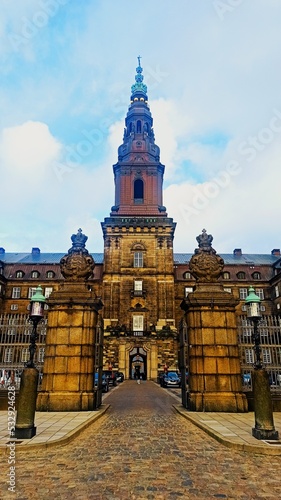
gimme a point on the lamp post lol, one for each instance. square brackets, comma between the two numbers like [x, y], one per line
[37, 302]
[25, 428]
[264, 425]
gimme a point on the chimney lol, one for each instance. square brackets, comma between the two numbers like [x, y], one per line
[237, 252]
[275, 251]
[2, 250]
[35, 251]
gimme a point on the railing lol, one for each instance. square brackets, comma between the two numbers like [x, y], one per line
[270, 341]
[15, 330]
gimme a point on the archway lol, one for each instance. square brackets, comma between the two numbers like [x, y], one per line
[138, 363]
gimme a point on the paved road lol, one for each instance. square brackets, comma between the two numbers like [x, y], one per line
[142, 449]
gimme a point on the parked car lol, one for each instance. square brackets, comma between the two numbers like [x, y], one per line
[104, 382]
[119, 377]
[111, 376]
[171, 379]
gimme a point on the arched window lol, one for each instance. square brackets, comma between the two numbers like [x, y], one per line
[50, 274]
[256, 275]
[138, 191]
[138, 127]
[35, 274]
[226, 276]
[19, 274]
[241, 275]
[187, 276]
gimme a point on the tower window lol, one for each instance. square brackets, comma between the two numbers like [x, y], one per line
[138, 191]
[138, 127]
[138, 259]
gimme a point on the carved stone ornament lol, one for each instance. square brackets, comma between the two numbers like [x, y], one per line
[77, 264]
[205, 264]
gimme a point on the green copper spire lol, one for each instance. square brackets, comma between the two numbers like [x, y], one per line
[139, 89]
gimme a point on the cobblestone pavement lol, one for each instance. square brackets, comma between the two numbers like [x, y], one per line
[142, 449]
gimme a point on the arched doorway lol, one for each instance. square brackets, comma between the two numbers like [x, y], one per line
[138, 363]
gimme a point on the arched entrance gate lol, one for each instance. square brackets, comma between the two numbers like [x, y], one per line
[138, 363]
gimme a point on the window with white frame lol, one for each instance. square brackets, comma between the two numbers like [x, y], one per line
[243, 292]
[24, 355]
[277, 291]
[41, 353]
[8, 355]
[48, 291]
[188, 290]
[266, 356]
[138, 287]
[14, 307]
[260, 293]
[228, 290]
[226, 275]
[137, 323]
[31, 291]
[187, 276]
[16, 292]
[50, 274]
[19, 274]
[249, 356]
[35, 274]
[138, 259]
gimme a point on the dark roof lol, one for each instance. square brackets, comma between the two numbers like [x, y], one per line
[229, 258]
[41, 258]
[179, 258]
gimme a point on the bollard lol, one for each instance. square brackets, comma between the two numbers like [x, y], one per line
[25, 428]
[264, 425]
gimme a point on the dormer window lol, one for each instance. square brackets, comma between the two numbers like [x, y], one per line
[241, 275]
[50, 274]
[226, 276]
[35, 274]
[187, 276]
[256, 276]
[19, 274]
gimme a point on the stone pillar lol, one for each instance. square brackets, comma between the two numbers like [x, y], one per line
[68, 378]
[154, 360]
[214, 365]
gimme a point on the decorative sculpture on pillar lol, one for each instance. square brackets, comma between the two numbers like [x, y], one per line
[77, 264]
[205, 264]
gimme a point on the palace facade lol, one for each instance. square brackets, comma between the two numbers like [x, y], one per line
[139, 278]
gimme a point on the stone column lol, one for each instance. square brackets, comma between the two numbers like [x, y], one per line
[69, 353]
[214, 365]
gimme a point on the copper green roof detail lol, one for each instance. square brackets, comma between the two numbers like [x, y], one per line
[139, 87]
[252, 297]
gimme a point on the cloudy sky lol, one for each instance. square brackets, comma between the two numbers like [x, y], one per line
[213, 73]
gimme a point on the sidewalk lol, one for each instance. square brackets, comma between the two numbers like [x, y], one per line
[234, 430]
